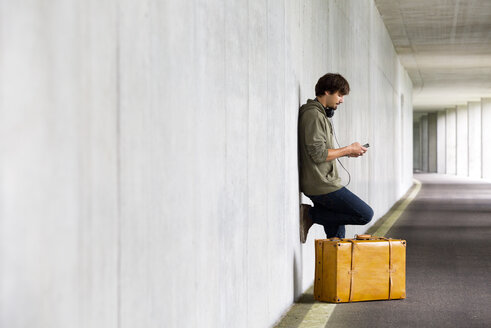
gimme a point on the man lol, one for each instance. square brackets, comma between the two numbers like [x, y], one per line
[334, 205]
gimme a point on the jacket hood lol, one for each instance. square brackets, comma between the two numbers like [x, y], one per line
[311, 104]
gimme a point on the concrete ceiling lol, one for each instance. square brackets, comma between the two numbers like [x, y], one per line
[445, 45]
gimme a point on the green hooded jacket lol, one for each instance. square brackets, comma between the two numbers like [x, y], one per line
[317, 175]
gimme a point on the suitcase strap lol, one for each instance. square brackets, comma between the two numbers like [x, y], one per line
[391, 267]
[353, 271]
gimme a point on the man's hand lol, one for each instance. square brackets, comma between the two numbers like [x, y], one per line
[356, 150]
[353, 150]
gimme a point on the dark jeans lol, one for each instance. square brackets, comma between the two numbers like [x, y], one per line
[335, 209]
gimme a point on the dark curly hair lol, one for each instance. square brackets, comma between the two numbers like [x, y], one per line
[332, 83]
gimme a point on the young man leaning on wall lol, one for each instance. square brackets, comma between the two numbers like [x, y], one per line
[334, 205]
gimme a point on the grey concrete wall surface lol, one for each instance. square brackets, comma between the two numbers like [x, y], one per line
[148, 154]
[486, 137]
[451, 141]
[441, 142]
[474, 133]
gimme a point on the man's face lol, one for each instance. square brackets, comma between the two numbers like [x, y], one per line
[335, 99]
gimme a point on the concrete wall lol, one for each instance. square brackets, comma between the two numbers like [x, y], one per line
[441, 142]
[462, 141]
[474, 128]
[486, 137]
[432, 142]
[149, 154]
[451, 142]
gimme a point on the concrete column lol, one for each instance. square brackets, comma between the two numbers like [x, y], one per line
[474, 146]
[424, 142]
[432, 142]
[441, 138]
[462, 143]
[486, 137]
[451, 144]
[416, 147]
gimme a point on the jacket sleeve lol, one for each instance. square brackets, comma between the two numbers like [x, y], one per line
[315, 137]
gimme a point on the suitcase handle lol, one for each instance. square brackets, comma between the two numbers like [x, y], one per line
[360, 237]
[363, 237]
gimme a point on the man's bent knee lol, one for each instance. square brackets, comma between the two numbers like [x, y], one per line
[368, 216]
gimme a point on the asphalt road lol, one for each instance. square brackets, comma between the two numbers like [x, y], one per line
[448, 278]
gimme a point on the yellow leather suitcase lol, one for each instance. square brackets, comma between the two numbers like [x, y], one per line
[365, 268]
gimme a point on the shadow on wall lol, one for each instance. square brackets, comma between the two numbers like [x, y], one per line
[297, 276]
[298, 262]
